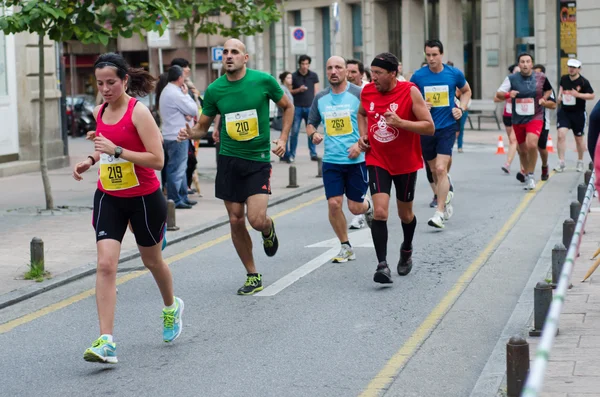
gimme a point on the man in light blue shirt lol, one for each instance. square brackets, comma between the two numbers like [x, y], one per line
[344, 169]
[176, 108]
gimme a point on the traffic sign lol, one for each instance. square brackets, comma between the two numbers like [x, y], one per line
[217, 54]
[299, 45]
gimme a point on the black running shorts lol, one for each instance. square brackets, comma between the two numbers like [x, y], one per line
[574, 121]
[380, 181]
[147, 214]
[238, 179]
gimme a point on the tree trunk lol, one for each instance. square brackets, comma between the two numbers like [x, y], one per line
[43, 163]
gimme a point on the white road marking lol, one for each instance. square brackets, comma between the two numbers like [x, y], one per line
[362, 238]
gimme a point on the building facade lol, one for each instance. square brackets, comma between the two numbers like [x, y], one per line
[481, 37]
[20, 105]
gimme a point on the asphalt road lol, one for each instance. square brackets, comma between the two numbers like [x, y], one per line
[332, 332]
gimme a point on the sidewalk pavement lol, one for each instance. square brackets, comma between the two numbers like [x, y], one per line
[574, 366]
[69, 244]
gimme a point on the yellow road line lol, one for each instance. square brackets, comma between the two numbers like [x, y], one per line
[130, 276]
[385, 377]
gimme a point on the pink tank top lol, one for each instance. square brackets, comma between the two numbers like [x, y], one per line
[119, 177]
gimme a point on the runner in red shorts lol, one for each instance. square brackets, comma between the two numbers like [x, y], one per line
[529, 92]
[396, 115]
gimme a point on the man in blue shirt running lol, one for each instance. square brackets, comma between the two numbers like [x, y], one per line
[438, 83]
[344, 169]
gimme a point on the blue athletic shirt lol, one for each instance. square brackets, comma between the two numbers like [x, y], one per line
[339, 114]
[439, 89]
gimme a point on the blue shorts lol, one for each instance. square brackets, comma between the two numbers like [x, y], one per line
[349, 179]
[440, 143]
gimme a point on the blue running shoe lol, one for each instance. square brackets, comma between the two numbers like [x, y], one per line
[102, 351]
[172, 323]
[164, 244]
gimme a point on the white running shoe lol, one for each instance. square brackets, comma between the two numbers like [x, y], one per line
[437, 220]
[529, 183]
[579, 166]
[450, 195]
[346, 254]
[368, 216]
[358, 222]
[448, 212]
[560, 167]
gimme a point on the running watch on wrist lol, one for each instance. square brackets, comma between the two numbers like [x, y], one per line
[118, 151]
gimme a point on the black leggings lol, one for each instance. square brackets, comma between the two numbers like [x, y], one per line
[593, 130]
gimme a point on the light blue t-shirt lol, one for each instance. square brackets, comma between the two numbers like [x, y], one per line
[339, 115]
[440, 89]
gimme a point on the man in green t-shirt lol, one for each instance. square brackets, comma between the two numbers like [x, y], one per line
[241, 96]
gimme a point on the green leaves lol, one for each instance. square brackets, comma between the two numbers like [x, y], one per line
[247, 17]
[89, 21]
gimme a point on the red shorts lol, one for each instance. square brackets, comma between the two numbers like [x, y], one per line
[533, 127]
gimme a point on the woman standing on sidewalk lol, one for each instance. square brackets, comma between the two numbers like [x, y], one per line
[128, 147]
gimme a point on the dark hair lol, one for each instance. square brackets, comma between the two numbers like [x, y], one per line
[511, 68]
[424, 64]
[435, 43]
[181, 62]
[368, 74]
[361, 67]
[163, 80]
[141, 83]
[283, 75]
[303, 58]
[174, 73]
[540, 66]
[524, 54]
[450, 63]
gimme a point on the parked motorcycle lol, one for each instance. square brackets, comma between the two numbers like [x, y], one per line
[80, 114]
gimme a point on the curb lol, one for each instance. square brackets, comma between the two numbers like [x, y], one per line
[21, 294]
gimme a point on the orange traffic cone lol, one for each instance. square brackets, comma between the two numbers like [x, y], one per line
[500, 149]
[549, 145]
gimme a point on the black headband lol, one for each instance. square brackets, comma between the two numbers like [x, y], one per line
[385, 64]
[107, 63]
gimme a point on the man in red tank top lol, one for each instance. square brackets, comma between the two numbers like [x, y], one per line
[395, 115]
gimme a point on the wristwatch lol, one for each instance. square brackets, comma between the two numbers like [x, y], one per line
[118, 151]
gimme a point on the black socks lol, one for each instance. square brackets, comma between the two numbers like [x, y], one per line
[379, 232]
[409, 233]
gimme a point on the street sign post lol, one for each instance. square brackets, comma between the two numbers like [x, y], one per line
[217, 54]
[298, 45]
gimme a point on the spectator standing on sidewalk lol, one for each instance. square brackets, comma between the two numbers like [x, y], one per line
[285, 82]
[176, 106]
[305, 83]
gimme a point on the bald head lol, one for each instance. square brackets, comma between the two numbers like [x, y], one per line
[235, 58]
[235, 43]
[336, 60]
[336, 71]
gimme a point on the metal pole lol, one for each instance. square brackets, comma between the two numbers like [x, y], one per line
[160, 62]
[283, 35]
[425, 8]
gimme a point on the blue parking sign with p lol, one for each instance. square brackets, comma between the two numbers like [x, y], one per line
[217, 54]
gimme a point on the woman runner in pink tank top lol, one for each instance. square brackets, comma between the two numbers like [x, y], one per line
[128, 148]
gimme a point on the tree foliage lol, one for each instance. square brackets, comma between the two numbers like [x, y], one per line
[247, 17]
[89, 21]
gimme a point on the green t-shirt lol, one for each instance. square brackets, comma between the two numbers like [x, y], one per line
[244, 109]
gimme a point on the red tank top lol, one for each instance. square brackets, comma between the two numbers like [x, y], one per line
[119, 177]
[396, 150]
